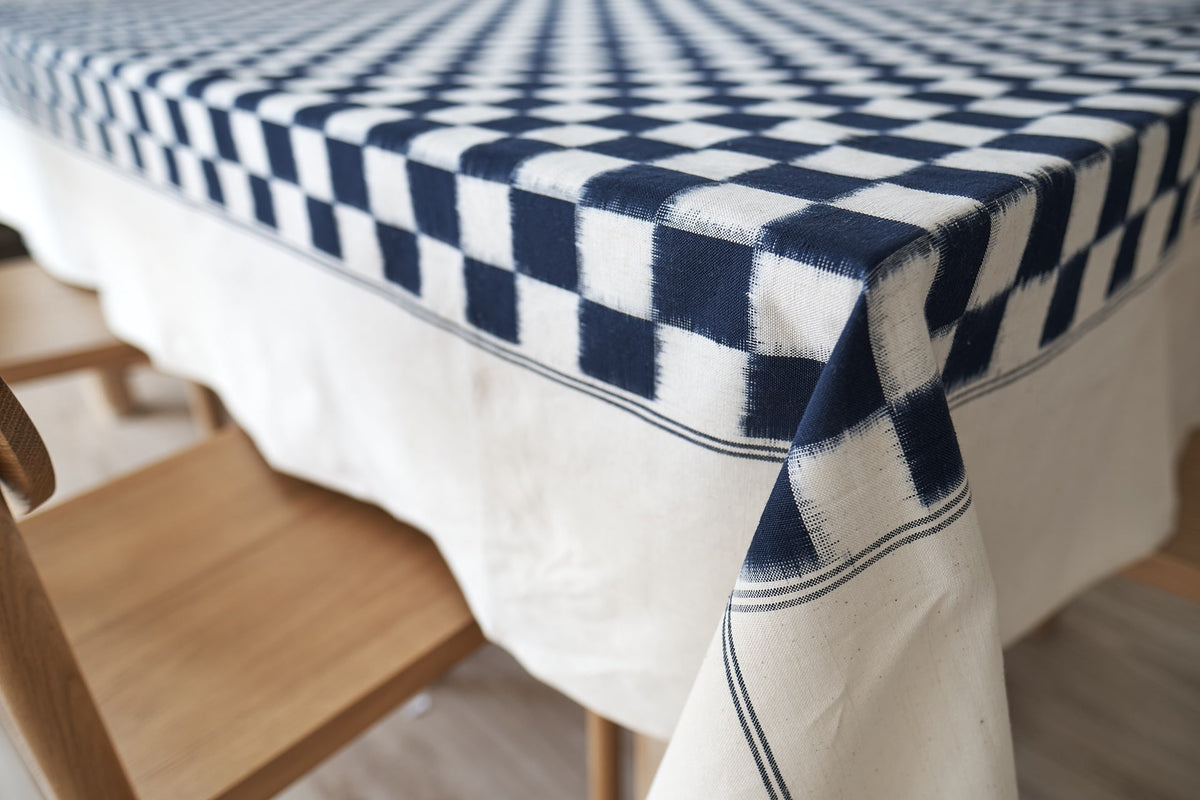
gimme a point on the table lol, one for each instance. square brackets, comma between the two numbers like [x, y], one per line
[629, 302]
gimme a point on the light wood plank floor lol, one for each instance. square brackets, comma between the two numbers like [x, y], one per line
[1106, 706]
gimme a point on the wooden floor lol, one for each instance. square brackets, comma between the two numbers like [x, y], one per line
[1106, 706]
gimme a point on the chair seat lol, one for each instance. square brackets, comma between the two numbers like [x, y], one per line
[48, 327]
[278, 619]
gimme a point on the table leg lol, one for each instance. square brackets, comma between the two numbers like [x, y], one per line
[114, 383]
[206, 408]
[603, 758]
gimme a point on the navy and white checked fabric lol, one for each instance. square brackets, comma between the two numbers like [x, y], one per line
[800, 232]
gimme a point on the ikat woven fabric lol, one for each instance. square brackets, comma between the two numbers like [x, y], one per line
[798, 232]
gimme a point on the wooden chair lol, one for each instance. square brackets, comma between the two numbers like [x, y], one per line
[207, 628]
[49, 328]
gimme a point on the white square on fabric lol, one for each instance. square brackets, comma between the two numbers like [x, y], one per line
[250, 143]
[870, 89]
[975, 87]
[563, 173]
[616, 256]
[1097, 273]
[353, 125]
[567, 94]
[153, 161]
[291, 214]
[93, 97]
[158, 118]
[942, 341]
[1078, 126]
[902, 204]
[1011, 225]
[811, 131]
[92, 143]
[1076, 85]
[730, 211]
[693, 134]
[843, 73]
[716, 165]
[387, 98]
[485, 220]
[574, 112]
[675, 102]
[735, 68]
[1128, 101]
[1091, 187]
[281, 107]
[1031, 71]
[1154, 235]
[1016, 107]
[932, 71]
[443, 285]
[857, 163]
[443, 148]
[133, 71]
[574, 135]
[775, 91]
[482, 95]
[235, 189]
[1188, 83]
[1010, 162]
[898, 330]
[199, 127]
[312, 162]
[903, 108]
[857, 482]
[123, 149]
[386, 175]
[1191, 147]
[1152, 150]
[360, 246]
[797, 109]
[548, 323]
[1024, 319]
[701, 382]
[949, 133]
[191, 175]
[797, 309]
[1121, 70]
[222, 94]
[469, 114]
[122, 106]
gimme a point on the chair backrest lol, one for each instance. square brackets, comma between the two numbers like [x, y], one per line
[25, 466]
[39, 676]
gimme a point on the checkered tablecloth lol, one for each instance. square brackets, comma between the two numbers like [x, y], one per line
[808, 234]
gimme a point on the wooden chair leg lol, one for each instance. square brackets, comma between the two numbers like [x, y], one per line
[603, 758]
[114, 384]
[46, 692]
[206, 408]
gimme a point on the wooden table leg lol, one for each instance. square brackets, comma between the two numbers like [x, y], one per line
[206, 408]
[114, 383]
[603, 758]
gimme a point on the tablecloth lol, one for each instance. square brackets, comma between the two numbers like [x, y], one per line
[880, 314]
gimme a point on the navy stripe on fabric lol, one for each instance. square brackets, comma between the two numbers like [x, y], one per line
[1065, 298]
[1126, 254]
